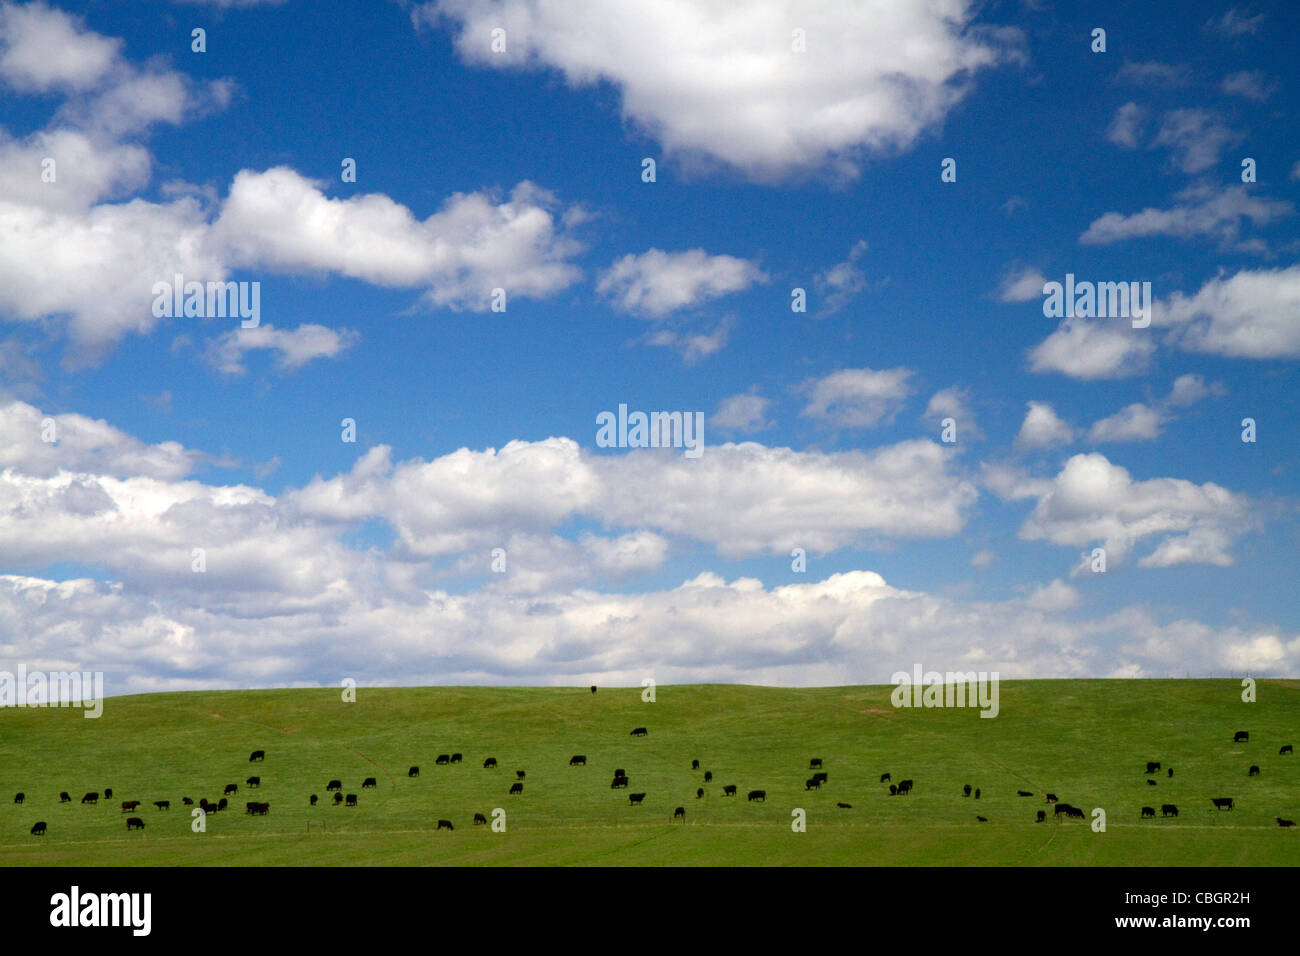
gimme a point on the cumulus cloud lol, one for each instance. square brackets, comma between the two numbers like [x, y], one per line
[953, 402]
[1126, 127]
[1042, 428]
[1251, 314]
[1136, 422]
[1249, 84]
[1090, 349]
[865, 85]
[44, 49]
[1202, 210]
[293, 349]
[1021, 284]
[842, 281]
[1196, 138]
[856, 397]
[741, 413]
[656, 283]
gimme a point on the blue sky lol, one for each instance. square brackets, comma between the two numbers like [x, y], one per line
[521, 169]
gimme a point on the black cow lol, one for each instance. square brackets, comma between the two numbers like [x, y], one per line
[820, 777]
[338, 798]
[893, 790]
[814, 763]
[38, 828]
[1042, 815]
[19, 797]
[620, 772]
[758, 795]
[252, 807]
[1221, 803]
[314, 798]
[618, 782]
[884, 777]
[108, 793]
[413, 772]
[1240, 736]
[965, 791]
[231, 788]
[634, 799]
[1060, 808]
[729, 790]
[333, 785]
[1024, 793]
[639, 732]
[253, 782]
[64, 798]
[981, 819]
[1153, 766]
[593, 688]
[1286, 749]
[516, 788]
[352, 800]
[1171, 771]
[977, 792]
[1148, 812]
[455, 758]
[490, 763]
[1284, 823]
[134, 823]
[129, 805]
[699, 793]
[695, 765]
[162, 804]
[1253, 771]
[222, 804]
[519, 775]
[445, 825]
[578, 760]
[708, 776]
[844, 806]
[479, 818]
[1168, 810]
[811, 784]
[443, 758]
[905, 786]
[1052, 798]
[257, 755]
[1074, 812]
[368, 783]
[1151, 783]
[680, 812]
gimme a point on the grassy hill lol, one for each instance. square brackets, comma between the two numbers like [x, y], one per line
[1087, 741]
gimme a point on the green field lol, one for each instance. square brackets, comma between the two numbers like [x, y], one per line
[1087, 741]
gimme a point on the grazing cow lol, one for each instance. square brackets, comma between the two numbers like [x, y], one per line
[844, 806]
[905, 786]
[699, 793]
[1052, 798]
[413, 772]
[338, 798]
[519, 775]
[680, 812]
[884, 777]
[593, 688]
[1222, 803]
[634, 799]
[253, 782]
[620, 772]
[820, 777]
[222, 804]
[639, 732]
[1168, 810]
[1241, 736]
[758, 795]
[442, 759]
[965, 791]
[516, 788]
[1024, 793]
[708, 776]
[729, 790]
[38, 828]
[162, 804]
[893, 790]
[187, 801]
[1171, 771]
[981, 819]
[1284, 823]
[251, 807]
[257, 755]
[1253, 771]
[1151, 783]
[815, 763]
[455, 758]
[19, 797]
[91, 797]
[64, 798]
[490, 763]
[333, 785]
[1286, 749]
[368, 783]
[314, 798]
[1060, 808]
[909, 787]
[129, 805]
[695, 765]
[479, 818]
[134, 823]
[618, 782]
[1148, 812]
[445, 825]
[108, 793]
[1074, 812]
[231, 788]
[352, 800]
[578, 760]
[811, 784]
[1153, 766]
[1042, 815]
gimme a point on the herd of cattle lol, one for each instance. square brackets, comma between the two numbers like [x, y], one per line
[621, 781]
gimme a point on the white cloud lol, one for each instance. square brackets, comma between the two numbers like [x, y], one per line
[1056, 596]
[1042, 428]
[1233, 24]
[953, 402]
[983, 559]
[656, 283]
[742, 413]
[856, 397]
[1203, 210]
[694, 346]
[1136, 422]
[1126, 127]
[1153, 73]
[1197, 138]
[1251, 314]
[722, 81]
[1191, 388]
[1021, 285]
[295, 349]
[1094, 349]
[842, 281]
[44, 49]
[1250, 84]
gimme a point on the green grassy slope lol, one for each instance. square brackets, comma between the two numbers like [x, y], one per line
[1087, 741]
